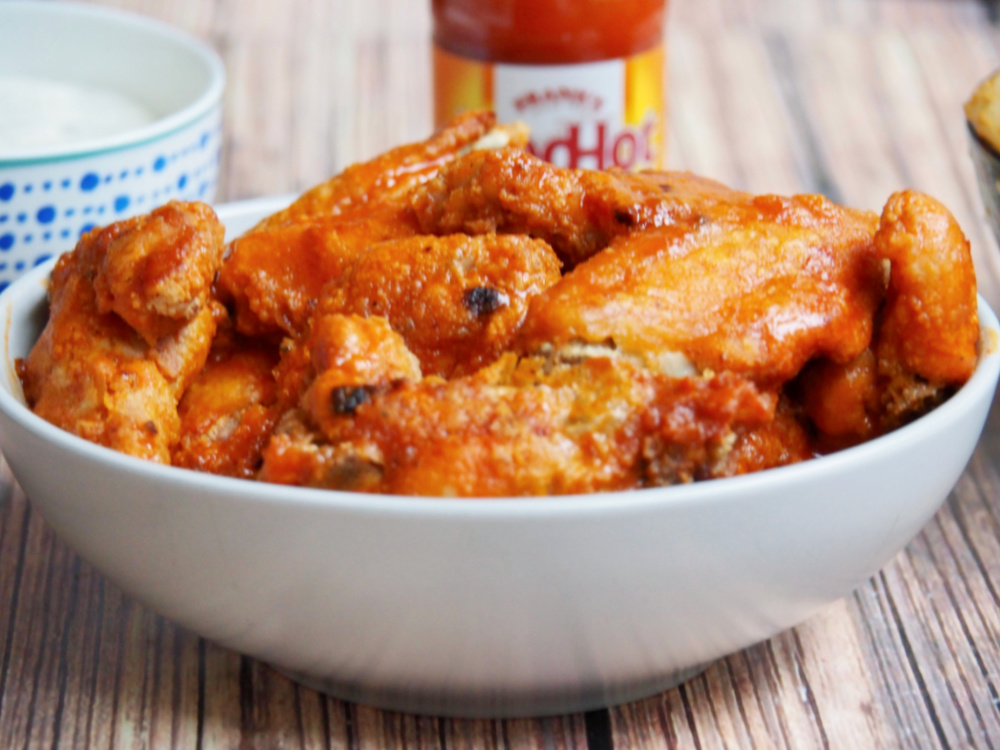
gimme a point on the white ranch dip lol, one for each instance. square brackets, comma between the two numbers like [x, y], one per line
[39, 112]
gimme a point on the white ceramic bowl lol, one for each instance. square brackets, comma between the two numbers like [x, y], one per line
[486, 607]
[49, 196]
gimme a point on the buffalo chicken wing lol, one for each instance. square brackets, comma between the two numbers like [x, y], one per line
[131, 322]
[457, 317]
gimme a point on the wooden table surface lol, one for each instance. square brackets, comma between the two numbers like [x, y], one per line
[851, 98]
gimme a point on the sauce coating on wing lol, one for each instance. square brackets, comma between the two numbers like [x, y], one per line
[272, 278]
[155, 271]
[229, 411]
[533, 427]
[758, 288]
[130, 325]
[456, 317]
[578, 212]
[926, 339]
[930, 325]
[457, 301]
[274, 274]
[388, 176]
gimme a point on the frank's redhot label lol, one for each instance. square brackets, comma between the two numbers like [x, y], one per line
[590, 115]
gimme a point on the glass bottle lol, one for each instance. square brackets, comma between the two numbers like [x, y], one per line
[586, 75]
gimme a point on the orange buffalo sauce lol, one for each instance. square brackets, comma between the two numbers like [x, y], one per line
[586, 75]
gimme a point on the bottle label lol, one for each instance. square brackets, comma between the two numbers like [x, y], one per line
[586, 115]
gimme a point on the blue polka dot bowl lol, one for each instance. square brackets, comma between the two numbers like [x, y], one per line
[50, 194]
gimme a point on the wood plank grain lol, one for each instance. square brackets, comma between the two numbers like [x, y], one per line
[928, 631]
[767, 148]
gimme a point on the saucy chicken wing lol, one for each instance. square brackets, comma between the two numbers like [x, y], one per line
[229, 411]
[273, 274]
[930, 324]
[758, 288]
[578, 212]
[457, 301]
[130, 325]
[457, 317]
[591, 422]
[272, 278]
[925, 343]
[389, 175]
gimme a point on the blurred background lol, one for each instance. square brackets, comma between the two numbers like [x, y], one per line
[850, 98]
[838, 80]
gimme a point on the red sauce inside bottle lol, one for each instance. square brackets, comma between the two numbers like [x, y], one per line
[548, 31]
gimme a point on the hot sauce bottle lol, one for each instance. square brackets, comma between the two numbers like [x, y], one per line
[586, 75]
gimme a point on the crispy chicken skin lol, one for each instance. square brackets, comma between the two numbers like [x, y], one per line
[229, 411]
[578, 212]
[758, 287]
[272, 278]
[457, 317]
[930, 324]
[273, 274]
[387, 177]
[155, 271]
[926, 341]
[114, 378]
[530, 427]
[457, 301]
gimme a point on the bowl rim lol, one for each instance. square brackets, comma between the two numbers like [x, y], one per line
[154, 131]
[981, 385]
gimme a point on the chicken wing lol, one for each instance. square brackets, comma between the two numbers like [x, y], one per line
[339, 366]
[231, 408]
[272, 278]
[930, 324]
[578, 212]
[94, 374]
[155, 271]
[389, 175]
[350, 359]
[457, 301]
[757, 288]
[273, 275]
[925, 341]
[545, 425]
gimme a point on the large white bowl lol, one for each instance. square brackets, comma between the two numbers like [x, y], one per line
[50, 195]
[486, 607]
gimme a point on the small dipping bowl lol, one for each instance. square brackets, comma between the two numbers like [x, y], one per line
[51, 194]
[987, 163]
